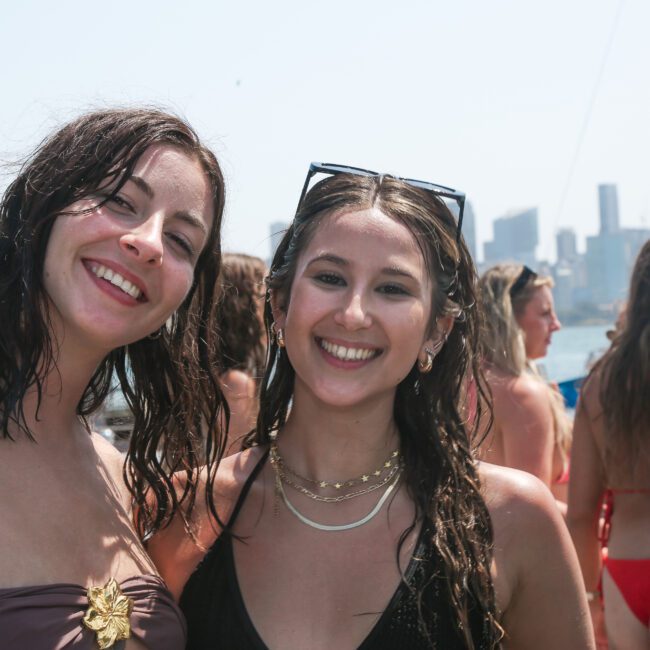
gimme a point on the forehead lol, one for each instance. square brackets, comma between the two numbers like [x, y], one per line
[541, 296]
[366, 236]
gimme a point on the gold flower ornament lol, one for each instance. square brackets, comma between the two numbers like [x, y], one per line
[108, 614]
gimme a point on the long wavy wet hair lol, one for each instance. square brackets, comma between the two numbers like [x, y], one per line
[440, 473]
[168, 382]
[625, 371]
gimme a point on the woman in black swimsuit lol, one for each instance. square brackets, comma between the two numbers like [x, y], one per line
[109, 250]
[359, 518]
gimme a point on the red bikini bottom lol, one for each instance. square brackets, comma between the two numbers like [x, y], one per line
[632, 577]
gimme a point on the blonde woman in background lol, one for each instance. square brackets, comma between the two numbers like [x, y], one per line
[242, 350]
[530, 430]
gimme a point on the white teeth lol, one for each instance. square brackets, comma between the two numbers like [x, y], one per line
[116, 279]
[346, 354]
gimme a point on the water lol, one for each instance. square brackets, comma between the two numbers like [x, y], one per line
[571, 349]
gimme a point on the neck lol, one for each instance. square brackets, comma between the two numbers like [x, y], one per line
[326, 443]
[61, 391]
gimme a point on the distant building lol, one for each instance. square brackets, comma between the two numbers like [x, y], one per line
[515, 239]
[606, 267]
[277, 230]
[469, 229]
[608, 206]
[567, 250]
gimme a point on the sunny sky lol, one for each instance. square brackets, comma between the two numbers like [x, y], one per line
[518, 103]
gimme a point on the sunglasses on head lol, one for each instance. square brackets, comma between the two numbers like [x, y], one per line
[437, 190]
[522, 280]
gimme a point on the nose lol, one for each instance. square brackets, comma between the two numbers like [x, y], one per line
[145, 241]
[353, 314]
[555, 323]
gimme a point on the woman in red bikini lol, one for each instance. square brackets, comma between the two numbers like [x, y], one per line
[611, 457]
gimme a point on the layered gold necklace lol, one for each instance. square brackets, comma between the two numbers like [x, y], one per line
[387, 475]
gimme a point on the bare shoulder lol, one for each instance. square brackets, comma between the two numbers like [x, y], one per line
[534, 558]
[523, 512]
[514, 493]
[177, 549]
[590, 393]
[237, 384]
[522, 390]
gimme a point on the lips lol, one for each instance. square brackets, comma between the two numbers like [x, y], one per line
[117, 277]
[348, 352]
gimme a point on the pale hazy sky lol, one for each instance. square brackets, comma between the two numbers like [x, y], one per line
[488, 97]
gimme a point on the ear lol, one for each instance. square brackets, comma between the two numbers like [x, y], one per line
[278, 309]
[438, 338]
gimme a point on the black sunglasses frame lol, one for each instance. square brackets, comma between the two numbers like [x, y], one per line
[522, 280]
[437, 190]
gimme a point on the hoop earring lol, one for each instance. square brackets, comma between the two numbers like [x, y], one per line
[425, 367]
[156, 335]
[279, 335]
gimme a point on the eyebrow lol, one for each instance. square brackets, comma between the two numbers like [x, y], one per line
[188, 218]
[339, 261]
[191, 220]
[142, 185]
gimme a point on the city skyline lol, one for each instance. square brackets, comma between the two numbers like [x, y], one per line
[469, 95]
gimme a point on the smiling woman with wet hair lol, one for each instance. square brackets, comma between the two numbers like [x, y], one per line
[358, 517]
[109, 250]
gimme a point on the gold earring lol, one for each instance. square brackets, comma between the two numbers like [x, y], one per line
[279, 335]
[425, 367]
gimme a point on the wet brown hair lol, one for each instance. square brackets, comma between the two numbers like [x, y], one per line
[241, 334]
[440, 472]
[169, 382]
[625, 371]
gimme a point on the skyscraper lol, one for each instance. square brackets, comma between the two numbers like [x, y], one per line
[515, 239]
[565, 239]
[608, 205]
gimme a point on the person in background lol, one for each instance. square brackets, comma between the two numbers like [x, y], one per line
[359, 518]
[242, 340]
[530, 430]
[610, 473]
[109, 251]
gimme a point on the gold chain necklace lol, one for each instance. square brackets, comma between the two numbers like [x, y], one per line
[333, 527]
[389, 464]
[334, 499]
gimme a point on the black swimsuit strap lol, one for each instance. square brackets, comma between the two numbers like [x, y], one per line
[246, 489]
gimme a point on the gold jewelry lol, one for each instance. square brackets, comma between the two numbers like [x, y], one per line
[279, 335]
[329, 527]
[425, 366]
[108, 614]
[389, 463]
[341, 497]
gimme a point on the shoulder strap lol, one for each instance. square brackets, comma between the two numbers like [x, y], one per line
[246, 489]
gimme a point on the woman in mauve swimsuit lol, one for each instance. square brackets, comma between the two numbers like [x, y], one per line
[358, 518]
[611, 466]
[530, 430]
[109, 250]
